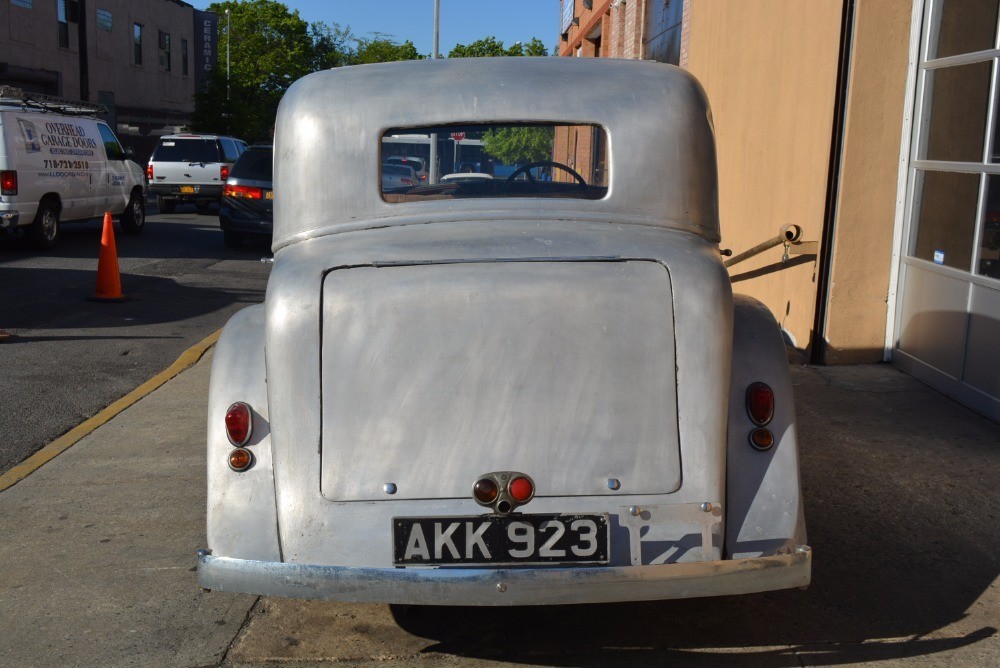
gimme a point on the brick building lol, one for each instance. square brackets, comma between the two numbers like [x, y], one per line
[873, 125]
[142, 59]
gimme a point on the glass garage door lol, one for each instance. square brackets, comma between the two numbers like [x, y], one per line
[948, 311]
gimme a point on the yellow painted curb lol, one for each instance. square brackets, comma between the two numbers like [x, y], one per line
[187, 360]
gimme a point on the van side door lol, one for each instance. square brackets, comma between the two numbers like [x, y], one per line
[114, 183]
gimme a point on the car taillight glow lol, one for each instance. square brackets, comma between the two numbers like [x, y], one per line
[239, 423]
[520, 489]
[485, 490]
[8, 182]
[224, 172]
[240, 459]
[406, 182]
[149, 172]
[246, 192]
[760, 403]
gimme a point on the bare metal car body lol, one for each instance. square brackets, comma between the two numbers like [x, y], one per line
[405, 349]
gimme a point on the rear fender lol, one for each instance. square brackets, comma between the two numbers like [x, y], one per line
[762, 488]
[242, 517]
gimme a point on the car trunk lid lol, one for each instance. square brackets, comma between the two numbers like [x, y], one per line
[433, 374]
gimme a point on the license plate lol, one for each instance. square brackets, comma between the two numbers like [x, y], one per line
[500, 540]
[269, 194]
[189, 189]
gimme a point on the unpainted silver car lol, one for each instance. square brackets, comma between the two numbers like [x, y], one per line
[522, 391]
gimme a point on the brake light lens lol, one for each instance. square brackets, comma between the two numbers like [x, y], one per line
[406, 182]
[224, 172]
[761, 439]
[239, 423]
[8, 182]
[760, 403]
[485, 490]
[149, 172]
[240, 459]
[521, 489]
[245, 192]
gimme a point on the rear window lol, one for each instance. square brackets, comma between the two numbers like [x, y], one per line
[396, 170]
[547, 160]
[416, 163]
[256, 164]
[186, 150]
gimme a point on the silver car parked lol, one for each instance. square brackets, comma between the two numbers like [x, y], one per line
[529, 390]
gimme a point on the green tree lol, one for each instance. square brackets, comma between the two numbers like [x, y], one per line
[383, 50]
[269, 47]
[517, 145]
[330, 46]
[492, 47]
[511, 145]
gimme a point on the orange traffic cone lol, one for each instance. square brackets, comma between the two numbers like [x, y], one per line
[109, 284]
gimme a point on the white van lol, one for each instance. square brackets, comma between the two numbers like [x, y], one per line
[60, 163]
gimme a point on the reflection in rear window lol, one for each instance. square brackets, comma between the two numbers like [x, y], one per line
[186, 150]
[255, 163]
[499, 160]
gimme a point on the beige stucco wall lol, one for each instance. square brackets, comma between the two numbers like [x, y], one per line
[863, 236]
[770, 70]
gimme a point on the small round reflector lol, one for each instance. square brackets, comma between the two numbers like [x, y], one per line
[520, 489]
[239, 423]
[760, 403]
[240, 459]
[485, 490]
[761, 439]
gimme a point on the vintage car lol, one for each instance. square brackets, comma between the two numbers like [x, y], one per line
[528, 390]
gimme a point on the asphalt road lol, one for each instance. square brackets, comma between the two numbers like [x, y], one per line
[70, 357]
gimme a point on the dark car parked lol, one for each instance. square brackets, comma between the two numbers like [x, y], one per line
[248, 198]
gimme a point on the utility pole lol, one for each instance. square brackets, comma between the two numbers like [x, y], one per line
[229, 36]
[433, 175]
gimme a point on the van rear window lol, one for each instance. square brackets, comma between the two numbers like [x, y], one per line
[186, 150]
[547, 160]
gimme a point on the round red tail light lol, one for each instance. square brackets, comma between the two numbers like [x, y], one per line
[520, 489]
[485, 490]
[760, 403]
[239, 423]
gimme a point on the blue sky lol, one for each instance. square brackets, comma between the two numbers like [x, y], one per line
[461, 21]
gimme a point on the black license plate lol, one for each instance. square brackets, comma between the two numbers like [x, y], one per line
[500, 539]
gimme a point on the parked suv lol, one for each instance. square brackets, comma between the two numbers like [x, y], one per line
[191, 168]
[416, 163]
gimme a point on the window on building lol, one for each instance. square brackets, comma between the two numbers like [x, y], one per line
[137, 41]
[21, 3]
[104, 20]
[164, 45]
[955, 212]
[184, 57]
[63, 24]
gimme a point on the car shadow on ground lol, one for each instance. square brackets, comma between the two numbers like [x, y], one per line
[899, 505]
[185, 233]
[899, 484]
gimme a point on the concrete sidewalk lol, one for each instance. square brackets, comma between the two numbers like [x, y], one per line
[97, 554]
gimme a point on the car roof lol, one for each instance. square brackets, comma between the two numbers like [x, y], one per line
[661, 154]
[191, 135]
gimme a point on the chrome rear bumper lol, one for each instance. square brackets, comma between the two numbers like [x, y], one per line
[527, 586]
